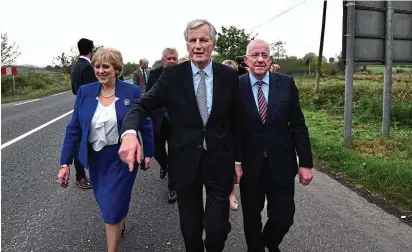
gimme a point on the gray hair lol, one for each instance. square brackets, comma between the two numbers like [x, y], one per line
[197, 23]
[169, 50]
[257, 41]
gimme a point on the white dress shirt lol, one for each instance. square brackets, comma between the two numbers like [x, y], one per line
[103, 128]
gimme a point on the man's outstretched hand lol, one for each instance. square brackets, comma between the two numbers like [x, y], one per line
[130, 150]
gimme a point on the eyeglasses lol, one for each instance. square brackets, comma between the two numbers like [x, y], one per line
[255, 56]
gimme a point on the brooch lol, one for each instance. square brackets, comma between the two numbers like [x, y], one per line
[126, 102]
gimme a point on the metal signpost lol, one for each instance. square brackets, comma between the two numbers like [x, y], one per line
[375, 33]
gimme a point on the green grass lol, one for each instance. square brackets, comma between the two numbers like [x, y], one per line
[381, 69]
[382, 166]
[33, 85]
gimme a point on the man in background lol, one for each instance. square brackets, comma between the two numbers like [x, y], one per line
[82, 73]
[140, 76]
[160, 122]
[274, 68]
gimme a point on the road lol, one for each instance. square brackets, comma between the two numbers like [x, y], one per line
[37, 215]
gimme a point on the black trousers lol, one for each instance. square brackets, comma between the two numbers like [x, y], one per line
[80, 172]
[280, 211]
[214, 219]
[160, 154]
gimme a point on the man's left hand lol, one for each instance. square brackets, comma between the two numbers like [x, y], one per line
[305, 175]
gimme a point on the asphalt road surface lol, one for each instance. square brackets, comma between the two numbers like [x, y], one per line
[37, 215]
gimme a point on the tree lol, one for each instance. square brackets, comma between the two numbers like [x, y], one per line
[309, 60]
[232, 42]
[9, 53]
[278, 49]
[63, 62]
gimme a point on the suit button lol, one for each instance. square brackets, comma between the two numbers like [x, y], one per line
[204, 129]
[199, 146]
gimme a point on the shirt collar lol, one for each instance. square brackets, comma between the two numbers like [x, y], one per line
[253, 79]
[84, 57]
[208, 69]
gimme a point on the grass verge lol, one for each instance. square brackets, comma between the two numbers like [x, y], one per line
[380, 166]
[33, 85]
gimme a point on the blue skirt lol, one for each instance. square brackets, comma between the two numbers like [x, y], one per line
[112, 182]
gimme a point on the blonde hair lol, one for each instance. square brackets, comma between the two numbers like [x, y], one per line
[230, 63]
[113, 56]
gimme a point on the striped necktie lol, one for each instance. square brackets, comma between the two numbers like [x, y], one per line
[201, 97]
[263, 105]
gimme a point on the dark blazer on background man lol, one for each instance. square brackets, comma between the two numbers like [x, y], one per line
[159, 114]
[81, 72]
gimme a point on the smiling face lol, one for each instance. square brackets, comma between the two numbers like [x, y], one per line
[105, 72]
[258, 58]
[200, 45]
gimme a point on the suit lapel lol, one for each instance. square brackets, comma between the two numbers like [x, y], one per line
[190, 90]
[273, 95]
[119, 104]
[249, 98]
[91, 104]
[217, 84]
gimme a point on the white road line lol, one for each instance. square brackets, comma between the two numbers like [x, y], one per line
[60, 93]
[34, 130]
[26, 102]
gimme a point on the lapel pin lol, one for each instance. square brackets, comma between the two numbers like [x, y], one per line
[126, 102]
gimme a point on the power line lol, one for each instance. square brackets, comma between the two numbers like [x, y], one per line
[278, 15]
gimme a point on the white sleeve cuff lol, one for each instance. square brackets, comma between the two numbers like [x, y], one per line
[238, 162]
[128, 132]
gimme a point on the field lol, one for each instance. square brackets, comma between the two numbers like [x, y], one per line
[380, 166]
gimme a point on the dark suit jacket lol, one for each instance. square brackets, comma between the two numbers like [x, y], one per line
[81, 73]
[139, 79]
[77, 131]
[159, 115]
[175, 91]
[282, 135]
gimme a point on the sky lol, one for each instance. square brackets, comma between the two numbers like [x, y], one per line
[141, 29]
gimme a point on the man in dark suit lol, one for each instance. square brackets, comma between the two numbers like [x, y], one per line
[140, 76]
[160, 122]
[82, 73]
[274, 132]
[204, 109]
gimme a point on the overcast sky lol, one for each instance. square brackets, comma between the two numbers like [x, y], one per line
[141, 29]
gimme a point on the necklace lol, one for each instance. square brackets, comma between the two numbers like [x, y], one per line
[107, 95]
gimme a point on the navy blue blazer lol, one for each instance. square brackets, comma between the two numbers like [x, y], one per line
[77, 131]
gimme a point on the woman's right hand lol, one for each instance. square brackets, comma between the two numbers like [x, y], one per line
[63, 176]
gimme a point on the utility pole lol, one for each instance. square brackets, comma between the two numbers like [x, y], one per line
[386, 114]
[322, 35]
[350, 65]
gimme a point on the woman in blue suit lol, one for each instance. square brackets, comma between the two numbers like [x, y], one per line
[97, 120]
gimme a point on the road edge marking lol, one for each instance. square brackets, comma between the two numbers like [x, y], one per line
[34, 130]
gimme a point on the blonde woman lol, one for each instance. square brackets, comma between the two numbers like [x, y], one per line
[234, 204]
[95, 125]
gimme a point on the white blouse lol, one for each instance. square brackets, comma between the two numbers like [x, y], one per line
[103, 129]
